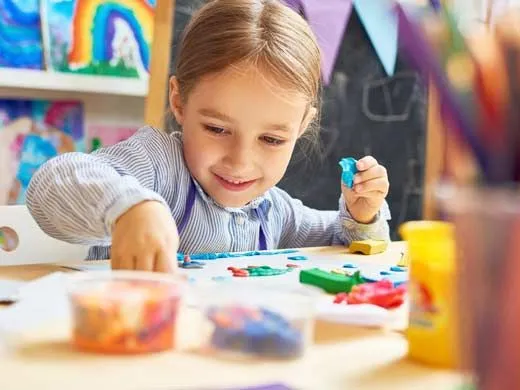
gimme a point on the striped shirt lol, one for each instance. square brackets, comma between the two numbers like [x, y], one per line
[76, 197]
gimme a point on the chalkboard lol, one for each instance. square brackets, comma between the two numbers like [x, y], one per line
[364, 113]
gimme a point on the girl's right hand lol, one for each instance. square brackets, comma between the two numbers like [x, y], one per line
[145, 238]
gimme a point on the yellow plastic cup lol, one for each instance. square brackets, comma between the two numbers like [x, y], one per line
[432, 330]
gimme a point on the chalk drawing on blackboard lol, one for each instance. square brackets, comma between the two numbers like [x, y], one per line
[412, 186]
[400, 93]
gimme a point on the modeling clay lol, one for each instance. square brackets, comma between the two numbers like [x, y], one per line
[331, 283]
[226, 255]
[292, 265]
[349, 265]
[396, 277]
[253, 331]
[187, 263]
[396, 268]
[221, 278]
[263, 270]
[368, 247]
[349, 170]
[125, 316]
[297, 258]
[381, 293]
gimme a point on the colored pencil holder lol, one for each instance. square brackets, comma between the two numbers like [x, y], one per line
[487, 235]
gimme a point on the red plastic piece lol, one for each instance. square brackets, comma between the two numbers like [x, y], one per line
[292, 266]
[382, 293]
[341, 297]
[240, 272]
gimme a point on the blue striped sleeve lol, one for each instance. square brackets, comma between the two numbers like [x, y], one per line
[76, 197]
[302, 226]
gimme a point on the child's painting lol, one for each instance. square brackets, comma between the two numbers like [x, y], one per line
[102, 37]
[32, 132]
[20, 34]
[100, 136]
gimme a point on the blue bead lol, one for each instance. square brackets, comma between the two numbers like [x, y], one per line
[349, 265]
[385, 273]
[396, 268]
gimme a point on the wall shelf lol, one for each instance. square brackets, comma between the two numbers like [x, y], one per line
[68, 82]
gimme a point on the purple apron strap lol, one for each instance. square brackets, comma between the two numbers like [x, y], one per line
[262, 242]
[261, 238]
[190, 201]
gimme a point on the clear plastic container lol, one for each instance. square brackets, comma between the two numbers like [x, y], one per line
[124, 312]
[257, 321]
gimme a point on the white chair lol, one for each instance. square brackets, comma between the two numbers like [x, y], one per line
[34, 246]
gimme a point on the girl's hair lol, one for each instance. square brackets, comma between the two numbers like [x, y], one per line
[265, 33]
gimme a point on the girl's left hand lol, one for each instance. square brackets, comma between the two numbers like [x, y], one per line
[370, 188]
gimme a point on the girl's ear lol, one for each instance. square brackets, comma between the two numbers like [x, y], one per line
[176, 101]
[307, 119]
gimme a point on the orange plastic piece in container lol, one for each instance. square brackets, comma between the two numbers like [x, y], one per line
[124, 312]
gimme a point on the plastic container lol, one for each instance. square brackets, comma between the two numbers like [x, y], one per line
[257, 321]
[433, 322]
[124, 312]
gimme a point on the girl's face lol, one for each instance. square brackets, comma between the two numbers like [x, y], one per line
[239, 131]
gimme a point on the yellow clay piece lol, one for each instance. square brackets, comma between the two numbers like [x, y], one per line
[368, 247]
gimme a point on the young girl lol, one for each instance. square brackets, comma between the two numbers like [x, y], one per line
[247, 86]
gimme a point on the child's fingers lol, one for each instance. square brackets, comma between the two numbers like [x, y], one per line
[121, 261]
[365, 163]
[379, 184]
[165, 263]
[374, 172]
[145, 262]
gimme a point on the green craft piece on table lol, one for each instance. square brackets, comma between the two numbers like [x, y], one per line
[331, 283]
[265, 270]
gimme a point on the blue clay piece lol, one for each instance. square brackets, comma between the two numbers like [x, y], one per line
[262, 333]
[397, 278]
[349, 170]
[191, 266]
[227, 255]
[349, 265]
[297, 258]
[396, 268]
[222, 278]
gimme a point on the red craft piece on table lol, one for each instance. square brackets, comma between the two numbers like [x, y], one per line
[382, 293]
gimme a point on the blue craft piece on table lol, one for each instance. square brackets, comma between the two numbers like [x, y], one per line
[297, 258]
[227, 255]
[349, 265]
[222, 278]
[396, 268]
[349, 170]
[397, 278]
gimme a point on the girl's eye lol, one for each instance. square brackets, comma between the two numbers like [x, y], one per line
[272, 140]
[214, 129]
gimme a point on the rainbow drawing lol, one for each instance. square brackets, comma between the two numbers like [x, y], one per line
[20, 34]
[108, 37]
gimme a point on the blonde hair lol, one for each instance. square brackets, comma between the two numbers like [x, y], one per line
[267, 33]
